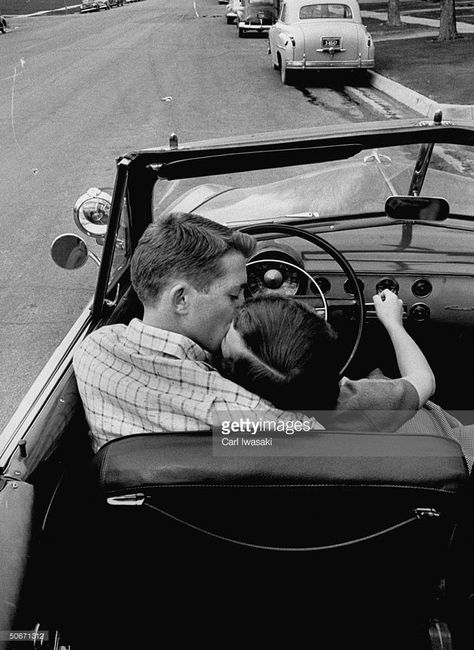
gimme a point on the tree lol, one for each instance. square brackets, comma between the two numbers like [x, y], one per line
[393, 17]
[447, 21]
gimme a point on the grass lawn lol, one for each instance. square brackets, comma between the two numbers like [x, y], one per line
[377, 26]
[441, 71]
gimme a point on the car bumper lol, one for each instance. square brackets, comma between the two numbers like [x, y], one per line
[252, 27]
[365, 64]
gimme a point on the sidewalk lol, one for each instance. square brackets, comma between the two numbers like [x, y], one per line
[417, 70]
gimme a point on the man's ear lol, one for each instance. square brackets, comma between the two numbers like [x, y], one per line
[179, 296]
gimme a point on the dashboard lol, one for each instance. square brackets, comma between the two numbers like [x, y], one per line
[446, 296]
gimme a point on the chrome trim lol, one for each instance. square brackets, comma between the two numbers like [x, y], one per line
[314, 65]
[127, 500]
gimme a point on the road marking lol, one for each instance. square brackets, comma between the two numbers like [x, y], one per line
[195, 9]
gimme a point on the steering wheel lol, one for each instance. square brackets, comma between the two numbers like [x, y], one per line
[358, 300]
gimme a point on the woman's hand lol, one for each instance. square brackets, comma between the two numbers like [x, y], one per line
[389, 308]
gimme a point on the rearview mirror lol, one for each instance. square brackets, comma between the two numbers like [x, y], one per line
[417, 208]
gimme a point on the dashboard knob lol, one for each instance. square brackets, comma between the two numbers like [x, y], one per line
[273, 279]
[420, 312]
[387, 283]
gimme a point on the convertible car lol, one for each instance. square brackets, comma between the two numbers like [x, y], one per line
[347, 538]
[319, 36]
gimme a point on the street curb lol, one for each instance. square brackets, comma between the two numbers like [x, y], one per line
[419, 103]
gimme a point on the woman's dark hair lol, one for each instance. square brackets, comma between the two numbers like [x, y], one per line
[295, 362]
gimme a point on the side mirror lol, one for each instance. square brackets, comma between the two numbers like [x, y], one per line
[91, 213]
[417, 208]
[70, 252]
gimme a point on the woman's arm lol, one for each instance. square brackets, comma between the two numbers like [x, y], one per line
[412, 362]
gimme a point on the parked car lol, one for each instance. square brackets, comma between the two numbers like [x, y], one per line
[350, 539]
[232, 11]
[94, 5]
[117, 3]
[319, 36]
[256, 16]
[3, 25]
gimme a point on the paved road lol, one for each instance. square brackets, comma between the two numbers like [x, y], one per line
[78, 90]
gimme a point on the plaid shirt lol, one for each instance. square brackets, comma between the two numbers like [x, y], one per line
[142, 379]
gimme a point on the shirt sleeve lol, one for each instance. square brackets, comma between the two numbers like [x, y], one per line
[375, 405]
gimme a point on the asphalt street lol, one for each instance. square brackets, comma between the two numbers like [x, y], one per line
[79, 90]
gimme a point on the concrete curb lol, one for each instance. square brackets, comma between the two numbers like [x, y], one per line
[411, 98]
[417, 102]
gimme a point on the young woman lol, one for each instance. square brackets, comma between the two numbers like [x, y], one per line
[283, 351]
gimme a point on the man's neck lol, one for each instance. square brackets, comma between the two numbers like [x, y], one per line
[163, 321]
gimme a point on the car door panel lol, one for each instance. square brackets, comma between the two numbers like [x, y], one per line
[16, 523]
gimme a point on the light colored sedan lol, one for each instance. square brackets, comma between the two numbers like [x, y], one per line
[318, 36]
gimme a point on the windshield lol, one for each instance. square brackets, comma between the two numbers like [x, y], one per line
[358, 185]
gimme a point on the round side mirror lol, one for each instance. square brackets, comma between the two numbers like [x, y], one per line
[69, 251]
[91, 212]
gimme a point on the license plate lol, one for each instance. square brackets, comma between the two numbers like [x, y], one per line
[331, 42]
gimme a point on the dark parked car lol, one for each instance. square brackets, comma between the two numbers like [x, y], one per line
[3, 25]
[350, 539]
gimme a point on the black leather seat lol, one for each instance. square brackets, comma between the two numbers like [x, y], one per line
[339, 538]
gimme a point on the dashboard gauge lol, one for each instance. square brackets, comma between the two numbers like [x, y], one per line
[272, 277]
[421, 288]
[323, 284]
[350, 288]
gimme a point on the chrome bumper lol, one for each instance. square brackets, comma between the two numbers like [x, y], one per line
[319, 65]
[254, 27]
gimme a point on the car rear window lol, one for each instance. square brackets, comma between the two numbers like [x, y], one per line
[325, 11]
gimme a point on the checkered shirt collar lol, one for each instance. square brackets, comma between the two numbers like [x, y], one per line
[154, 339]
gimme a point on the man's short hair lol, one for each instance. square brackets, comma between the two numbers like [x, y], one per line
[186, 246]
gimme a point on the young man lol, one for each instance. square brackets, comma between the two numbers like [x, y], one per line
[154, 375]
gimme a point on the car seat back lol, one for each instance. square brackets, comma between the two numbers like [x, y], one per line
[340, 535]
